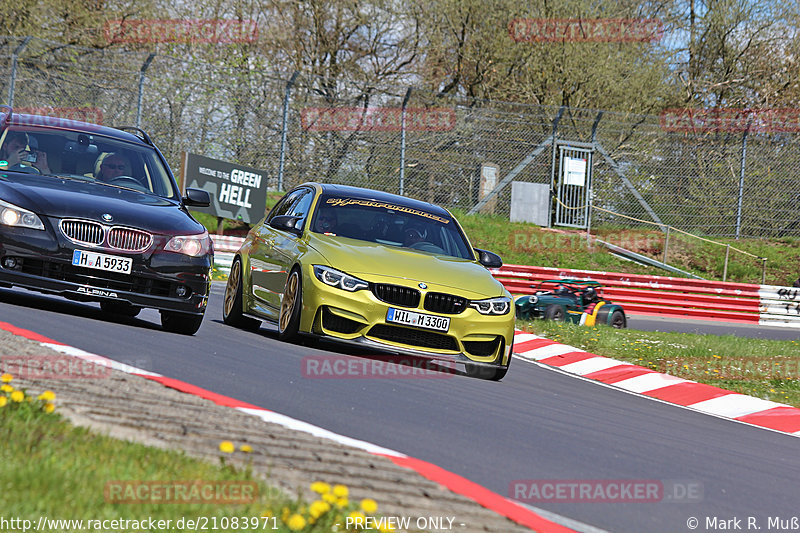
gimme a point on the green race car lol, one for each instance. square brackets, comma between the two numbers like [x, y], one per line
[374, 269]
[574, 300]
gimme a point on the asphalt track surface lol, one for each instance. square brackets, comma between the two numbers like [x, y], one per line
[537, 424]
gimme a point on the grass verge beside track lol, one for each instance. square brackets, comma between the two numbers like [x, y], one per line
[767, 369]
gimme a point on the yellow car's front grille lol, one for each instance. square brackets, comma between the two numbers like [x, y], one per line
[447, 304]
[413, 337]
[396, 294]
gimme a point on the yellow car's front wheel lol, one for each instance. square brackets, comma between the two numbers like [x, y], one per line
[291, 305]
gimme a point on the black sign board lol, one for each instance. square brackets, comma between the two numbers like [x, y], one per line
[237, 192]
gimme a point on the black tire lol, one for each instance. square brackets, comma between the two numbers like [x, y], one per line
[232, 304]
[182, 323]
[555, 312]
[495, 373]
[618, 320]
[291, 307]
[120, 308]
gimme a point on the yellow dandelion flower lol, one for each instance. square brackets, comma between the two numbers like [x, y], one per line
[296, 522]
[246, 448]
[6, 378]
[341, 503]
[266, 514]
[328, 498]
[3, 401]
[6, 388]
[320, 487]
[285, 512]
[17, 396]
[49, 408]
[358, 516]
[369, 505]
[226, 446]
[340, 491]
[47, 396]
[318, 508]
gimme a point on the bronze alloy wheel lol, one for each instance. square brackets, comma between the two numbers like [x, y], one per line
[232, 287]
[289, 301]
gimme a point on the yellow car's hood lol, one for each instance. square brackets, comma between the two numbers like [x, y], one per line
[376, 262]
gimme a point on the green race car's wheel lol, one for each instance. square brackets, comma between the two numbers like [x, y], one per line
[555, 312]
[617, 319]
[291, 304]
[232, 305]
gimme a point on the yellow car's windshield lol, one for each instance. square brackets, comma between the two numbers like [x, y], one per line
[391, 224]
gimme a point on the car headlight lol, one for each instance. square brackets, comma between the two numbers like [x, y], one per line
[11, 215]
[335, 278]
[492, 306]
[192, 245]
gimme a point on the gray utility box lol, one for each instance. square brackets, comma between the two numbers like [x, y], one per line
[530, 202]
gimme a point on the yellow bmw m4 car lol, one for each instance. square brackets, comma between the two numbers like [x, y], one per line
[384, 271]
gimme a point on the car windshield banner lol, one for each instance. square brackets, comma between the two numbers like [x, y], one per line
[237, 192]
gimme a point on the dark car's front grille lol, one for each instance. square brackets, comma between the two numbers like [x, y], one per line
[396, 294]
[338, 323]
[83, 232]
[413, 337]
[448, 304]
[128, 239]
[482, 348]
[99, 278]
[95, 234]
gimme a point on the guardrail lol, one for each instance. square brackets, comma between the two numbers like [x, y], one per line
[639, 294]
[675, 297]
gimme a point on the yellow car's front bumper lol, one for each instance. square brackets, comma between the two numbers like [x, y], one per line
[361, 317]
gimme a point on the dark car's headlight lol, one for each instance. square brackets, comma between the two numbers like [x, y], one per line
[492, 306]
[335, 278]
[192, 245]
[11, 215]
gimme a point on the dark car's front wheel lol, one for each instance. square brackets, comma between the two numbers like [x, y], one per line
[232, 305]
[291, 304]
[182, 323]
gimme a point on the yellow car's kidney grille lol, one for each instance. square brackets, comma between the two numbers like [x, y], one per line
[448, 304]
[396, 294]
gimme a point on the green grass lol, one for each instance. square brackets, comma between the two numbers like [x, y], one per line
[767, 369]
[55, 470]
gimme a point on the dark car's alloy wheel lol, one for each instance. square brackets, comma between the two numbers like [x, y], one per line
[232, 305]
[292, 301]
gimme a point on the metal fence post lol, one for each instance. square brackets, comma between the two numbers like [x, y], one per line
[17, 51]
[403, 142]
[741, 179]
[666, 246]
[142, 72]
[725, 269]
[285, 127]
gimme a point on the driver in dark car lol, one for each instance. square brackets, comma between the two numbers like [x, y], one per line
[111, 165]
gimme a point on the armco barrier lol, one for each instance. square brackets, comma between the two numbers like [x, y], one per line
[639, 294]
[675, 297]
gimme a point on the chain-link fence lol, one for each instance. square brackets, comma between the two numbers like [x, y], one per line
[720, 181]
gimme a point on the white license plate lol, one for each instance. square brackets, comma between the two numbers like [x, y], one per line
[420, 320]
[111, 263]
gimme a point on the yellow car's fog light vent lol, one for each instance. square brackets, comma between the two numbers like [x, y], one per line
[339, 324]
[396, 294]
[482, 348]
[449, 304]
[413, 337]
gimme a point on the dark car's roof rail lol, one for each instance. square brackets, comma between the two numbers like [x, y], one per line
[139, 132]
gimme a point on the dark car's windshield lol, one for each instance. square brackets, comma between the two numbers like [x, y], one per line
[83, 156]
[391, 224]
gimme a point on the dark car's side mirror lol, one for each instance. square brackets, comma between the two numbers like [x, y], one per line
[196, 198]
[287, 223]
[489, 259]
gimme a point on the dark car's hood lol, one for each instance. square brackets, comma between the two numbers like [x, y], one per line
[69, 198]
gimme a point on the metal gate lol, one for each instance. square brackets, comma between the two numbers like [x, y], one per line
[573, 184]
